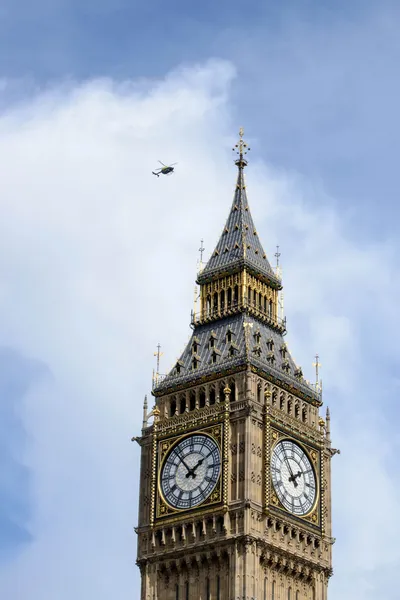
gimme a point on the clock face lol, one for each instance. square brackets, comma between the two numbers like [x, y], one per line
[293, 477]
[191, 471]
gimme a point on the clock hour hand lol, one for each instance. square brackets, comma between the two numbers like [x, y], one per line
[293, 477]
[193, 469]
[200, 462]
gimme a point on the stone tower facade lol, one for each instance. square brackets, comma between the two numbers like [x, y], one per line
[235, 483]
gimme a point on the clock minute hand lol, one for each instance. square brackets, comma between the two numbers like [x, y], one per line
[183, 462]
[193, 469]
[291, 478]
[200, 462]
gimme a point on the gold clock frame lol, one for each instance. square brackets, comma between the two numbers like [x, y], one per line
[165, 445]
[314, 515]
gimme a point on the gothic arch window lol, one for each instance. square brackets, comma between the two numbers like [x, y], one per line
[236, 294]
[213, 358]
[182, 405]
[313, 593]
[208, 302]
[177, 591]
[215, 306]
[202, 399]
[222, 393]
[296, 410]
[249, 295]
[220, 525]
[192, 400]
[212, 396]
[273, 591]
[194, 347]
[229, 297]
[212, 342]
[232, 396]
[289, 594]
[194, 363]
[208, 591]
[270, 309]
[260, 301]
[282, 401]
[158, 539]
[218, 588]
[297, 595]
[304, 414]
[265, 304]
[172, 408]
[259, 393]
[274, 397]
[199, 530]
[229, 336]
[222, 297]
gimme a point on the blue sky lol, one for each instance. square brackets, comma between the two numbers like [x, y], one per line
[319, 78]
[91, 95]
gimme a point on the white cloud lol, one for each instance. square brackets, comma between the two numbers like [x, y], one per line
[97, 264]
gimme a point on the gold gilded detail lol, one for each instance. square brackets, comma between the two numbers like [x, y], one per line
[164, 447]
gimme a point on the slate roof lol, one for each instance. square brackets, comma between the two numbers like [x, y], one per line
[239, 244]
[247, 349]
[233, 343]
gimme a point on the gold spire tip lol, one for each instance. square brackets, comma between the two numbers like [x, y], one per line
[241, 148]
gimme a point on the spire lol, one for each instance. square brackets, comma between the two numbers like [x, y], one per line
[328, 424]
[239, 245]
[144, 413]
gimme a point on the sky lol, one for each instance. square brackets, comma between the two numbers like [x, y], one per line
[92, 94]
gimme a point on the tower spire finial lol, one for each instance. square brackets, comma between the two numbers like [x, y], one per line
[317, 365]
[241, 148]
[201, 250]
[158, 354]
[144, 413]
[277, 254]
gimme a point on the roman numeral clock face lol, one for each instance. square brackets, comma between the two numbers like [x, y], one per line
[293, 477]
[190, 471]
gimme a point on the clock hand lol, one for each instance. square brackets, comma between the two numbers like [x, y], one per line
[183, 462]
[192, 470]
[200, 462]
[290, 469]
[293, 477]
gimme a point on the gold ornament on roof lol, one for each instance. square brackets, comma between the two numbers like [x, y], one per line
[241, 148]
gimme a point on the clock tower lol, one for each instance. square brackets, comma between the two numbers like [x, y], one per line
[235, 478]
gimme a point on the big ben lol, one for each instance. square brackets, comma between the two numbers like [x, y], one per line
[235, 484]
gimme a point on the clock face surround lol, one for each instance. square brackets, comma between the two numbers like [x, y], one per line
[190, 471]
[293, 477]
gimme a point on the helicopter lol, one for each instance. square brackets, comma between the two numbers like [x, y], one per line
[164, 170]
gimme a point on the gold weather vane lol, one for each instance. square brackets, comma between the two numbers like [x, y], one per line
[241, 148]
